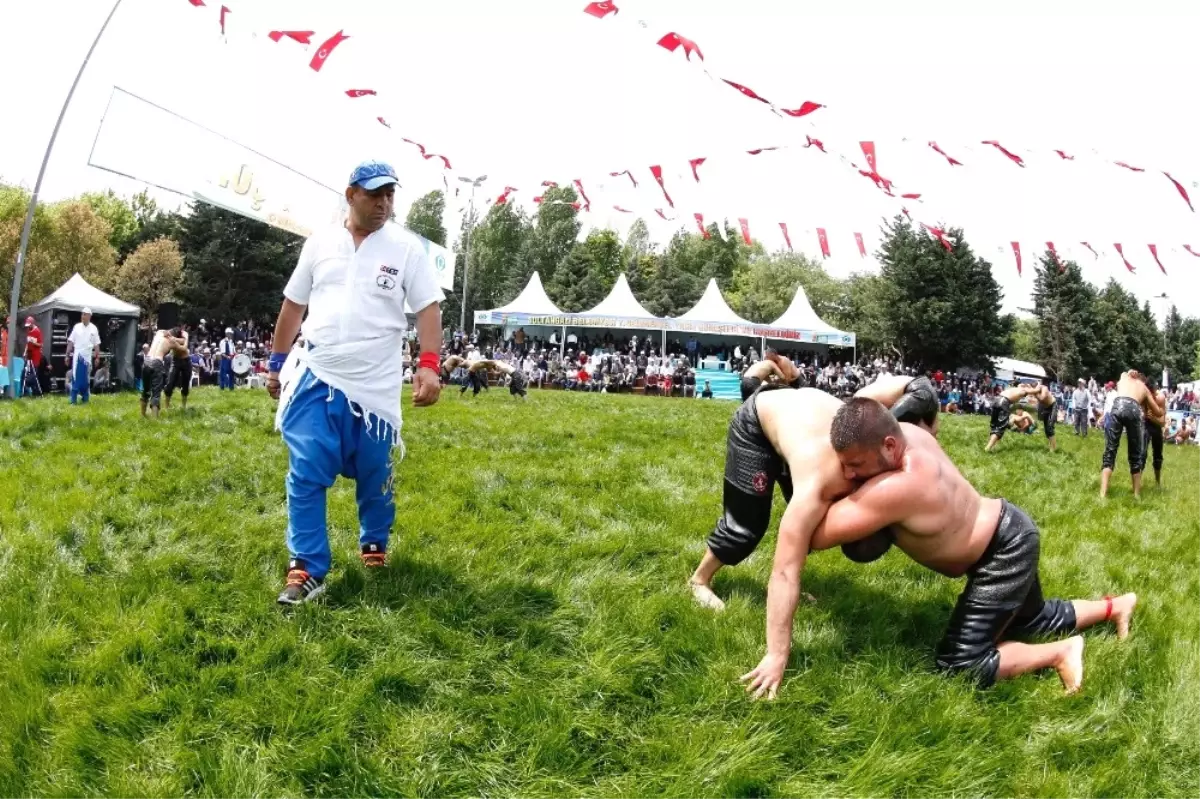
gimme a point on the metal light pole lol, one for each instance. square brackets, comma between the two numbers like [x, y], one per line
[1166, 312]
[15, 301]
[462, 317]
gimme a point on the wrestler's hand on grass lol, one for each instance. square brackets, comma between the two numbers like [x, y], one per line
[427, 386]
[766, 677]
[273, 384]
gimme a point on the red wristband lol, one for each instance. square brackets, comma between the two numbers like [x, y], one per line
[1107, 608]
[429, 360]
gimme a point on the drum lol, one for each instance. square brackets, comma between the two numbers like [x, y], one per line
[241, 364]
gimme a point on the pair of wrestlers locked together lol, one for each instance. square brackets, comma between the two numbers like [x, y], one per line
[859, 476]
[1137, 411]
[477, 375]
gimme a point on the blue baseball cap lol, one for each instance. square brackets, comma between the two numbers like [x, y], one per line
[370, 175]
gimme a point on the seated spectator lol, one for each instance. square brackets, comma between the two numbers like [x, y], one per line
[708, 392]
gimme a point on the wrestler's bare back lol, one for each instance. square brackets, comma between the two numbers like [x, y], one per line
[162, 344]
[797, 424]
[951, 524]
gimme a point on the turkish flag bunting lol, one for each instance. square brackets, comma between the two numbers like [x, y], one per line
[700, 224]
[1085, 244]
[550, 184]
[695, 164]
[942, 153]
[624, 172]
[1064, 156]
[1054, 253]
[360, 92]
[1188, 247]
[503, 198]
[602, 9]
[657, 172]
[1154, 252]
[587, 204]
[786, 237]
[224, 11]
[745, 229]
[806, 108]
[673, 41]
[1016, 245]
[824, 242]
[1127, 166]
[862, 248]
[1121, 252]
[1016, 159]
[303, 37]
[868, 148]
[940, 235]
[1182, 192]
[326, 49]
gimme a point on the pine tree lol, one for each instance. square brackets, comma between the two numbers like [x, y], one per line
[943, 306]
[1062, 303]
[576, 285]
[425, 217]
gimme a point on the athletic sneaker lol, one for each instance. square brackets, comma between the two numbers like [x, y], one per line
[301, 586]
[374, 556]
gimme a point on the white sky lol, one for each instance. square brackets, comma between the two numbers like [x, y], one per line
[530, 90]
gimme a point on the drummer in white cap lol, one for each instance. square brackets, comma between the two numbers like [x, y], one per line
[83, 354]
[226, 350]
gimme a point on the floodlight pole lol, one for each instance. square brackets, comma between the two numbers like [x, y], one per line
[462, 316]
[15, 302]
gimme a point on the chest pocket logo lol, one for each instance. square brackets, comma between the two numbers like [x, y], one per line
[386, 282]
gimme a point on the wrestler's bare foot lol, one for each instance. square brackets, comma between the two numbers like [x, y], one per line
[1070, 665]
[1122, 612]
[705, 596]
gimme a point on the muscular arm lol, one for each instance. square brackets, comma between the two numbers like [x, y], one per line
[763, 370]
[885, 390]
[802, 516]
[880, 502]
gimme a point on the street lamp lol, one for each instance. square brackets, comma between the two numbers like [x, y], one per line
[1166, 313]
[475, 183]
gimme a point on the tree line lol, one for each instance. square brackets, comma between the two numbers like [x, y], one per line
[928, 305]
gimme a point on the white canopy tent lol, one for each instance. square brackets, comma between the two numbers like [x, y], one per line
[116, 319]
[711, 307]
[801, 316]
[620, 302]
[531, 300]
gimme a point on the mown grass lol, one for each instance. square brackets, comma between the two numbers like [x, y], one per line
[533, 634]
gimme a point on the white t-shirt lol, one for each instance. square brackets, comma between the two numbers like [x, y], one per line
[84, 338]
[359, 295]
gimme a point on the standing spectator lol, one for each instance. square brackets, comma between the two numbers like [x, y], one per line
[225, 375]
[1081, 408]
[83, 352]
[33, 352]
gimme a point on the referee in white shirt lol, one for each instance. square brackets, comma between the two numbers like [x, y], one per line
[83, 351]
[339, 413]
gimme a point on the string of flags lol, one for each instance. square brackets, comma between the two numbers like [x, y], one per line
[609, 12]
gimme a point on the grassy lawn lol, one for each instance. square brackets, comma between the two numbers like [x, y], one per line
[533, 634]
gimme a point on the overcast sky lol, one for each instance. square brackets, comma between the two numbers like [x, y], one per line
[532, 90]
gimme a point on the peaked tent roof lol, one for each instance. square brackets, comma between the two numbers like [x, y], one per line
[711, 307]
[77, 294]
[620, 302]
[801, 316]
[531, 300]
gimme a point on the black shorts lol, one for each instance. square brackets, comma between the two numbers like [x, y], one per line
[919, 403]
[1154, 439]
[179, 375]
[1126, 415]
[153, 376]
[753, 384]
[752, 468]
[1049, 415]
[518, 384]
[1002, 599]
[1000, 411]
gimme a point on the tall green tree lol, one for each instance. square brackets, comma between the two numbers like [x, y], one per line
[637, 242]
[865, 314]
[39, 274]
[497, 251]
[764, 288]
[81, 244]
[425, 217]
[577, 284]
[119, 215]
[1181, 334]
[235, 267]
[150, 275]
[943, 305]
[555, 231]
[1026, 334]
[1063, 306]
[1123, 335]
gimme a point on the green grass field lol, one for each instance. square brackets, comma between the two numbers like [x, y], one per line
[533, 634]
